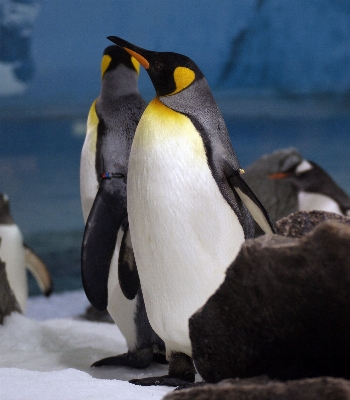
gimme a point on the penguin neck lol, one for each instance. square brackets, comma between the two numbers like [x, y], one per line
[170, 124]
[5, 216]
[119, 82]
[186, 101]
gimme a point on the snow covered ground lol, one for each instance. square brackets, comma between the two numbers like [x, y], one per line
[47, 355]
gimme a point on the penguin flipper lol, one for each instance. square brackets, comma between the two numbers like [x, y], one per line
[250, 200]
[39, 270]
[129, 280]
[105, 219]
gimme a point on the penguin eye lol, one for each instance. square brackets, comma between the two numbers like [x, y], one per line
[158, 65]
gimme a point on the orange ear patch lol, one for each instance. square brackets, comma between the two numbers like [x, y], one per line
[136, 64]
[106, 60]
[183, 77]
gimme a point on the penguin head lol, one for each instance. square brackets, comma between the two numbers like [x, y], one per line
[113, 56]
[299, 173]
[301, 168]
[305, 175]
[170, 73]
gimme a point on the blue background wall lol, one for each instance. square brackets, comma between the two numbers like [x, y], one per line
[266, 59]
[281, 47]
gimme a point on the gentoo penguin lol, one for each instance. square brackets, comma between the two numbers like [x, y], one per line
[18, 256]
[187, 202]
[111, 126]
[316, 189]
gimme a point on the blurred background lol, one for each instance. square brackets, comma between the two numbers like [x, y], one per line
[279, 69]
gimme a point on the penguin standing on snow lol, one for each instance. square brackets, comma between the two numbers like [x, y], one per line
[111, 126]
[316, 189]
[187, 203]
[18, 257]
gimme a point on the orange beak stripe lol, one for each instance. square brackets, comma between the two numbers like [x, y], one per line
[278, 175]
[138, 57]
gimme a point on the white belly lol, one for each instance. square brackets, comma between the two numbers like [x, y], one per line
[316, 201]
[88, 178]
[119, 307]
[12, 253]
[184, 233]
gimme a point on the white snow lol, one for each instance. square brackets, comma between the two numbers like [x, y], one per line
[48, 353]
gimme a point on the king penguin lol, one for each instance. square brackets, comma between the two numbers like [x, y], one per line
[189, 208]
[111, 125]
[18, 257]
[316, 189]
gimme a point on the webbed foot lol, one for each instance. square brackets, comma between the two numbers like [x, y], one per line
[191, 385]
[181, 372]
[139, 359]
[160, 358]
[166, 380]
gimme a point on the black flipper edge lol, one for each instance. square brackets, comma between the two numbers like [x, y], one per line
[129, 280]
[100, 236]
[253, 204]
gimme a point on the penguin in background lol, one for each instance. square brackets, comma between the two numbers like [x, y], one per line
[189, 208]
[111, 125]
[18, 257]
[316, 189]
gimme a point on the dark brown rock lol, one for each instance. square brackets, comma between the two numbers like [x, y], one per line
[8, 302]
[300, 223]
[283, 310]
[323, 388]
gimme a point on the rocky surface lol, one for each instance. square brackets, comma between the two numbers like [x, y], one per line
[300, 223]
[283, 310]
[323, 388]
[8, 302]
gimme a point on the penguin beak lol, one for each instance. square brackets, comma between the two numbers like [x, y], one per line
[133, 50]
[279, 175]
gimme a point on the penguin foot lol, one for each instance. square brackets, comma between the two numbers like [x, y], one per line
[160, 358]
[181, 372]
[191, 385]
[139, 359]
[166, 380]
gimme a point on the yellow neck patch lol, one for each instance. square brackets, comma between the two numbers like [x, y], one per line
[183, 77]
[106, 60]
[136, 65]
[92, 124]
[162, 128]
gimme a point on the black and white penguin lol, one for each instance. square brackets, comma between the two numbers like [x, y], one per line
[111, 125]
[189, 208]
[18, 257]
[316, 189]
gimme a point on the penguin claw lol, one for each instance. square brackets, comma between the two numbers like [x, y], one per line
[191, 385]
[140, 359]
[166, 380]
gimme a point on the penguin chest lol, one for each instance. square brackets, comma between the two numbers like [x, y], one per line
[184, 233]
[88, 177]
[12, 253]
[122, 310]
[317, 201]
